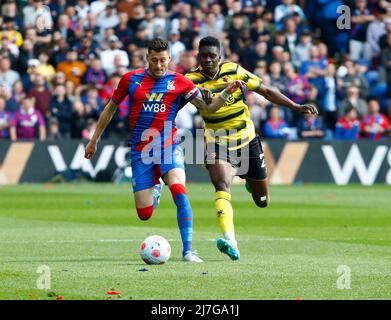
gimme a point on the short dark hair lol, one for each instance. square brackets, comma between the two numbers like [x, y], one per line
[158, 45]
[209, 42]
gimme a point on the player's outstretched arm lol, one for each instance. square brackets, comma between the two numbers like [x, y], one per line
[104, 119]
[218, 101]
[276, 97]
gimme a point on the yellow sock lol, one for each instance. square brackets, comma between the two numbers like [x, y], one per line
[225, 215]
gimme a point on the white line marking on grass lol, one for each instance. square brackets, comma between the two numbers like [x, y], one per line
[261, 239]
[132, 240]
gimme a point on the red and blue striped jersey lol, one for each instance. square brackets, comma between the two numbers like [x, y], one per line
[27, 123]
[154, 104]
[374, 121]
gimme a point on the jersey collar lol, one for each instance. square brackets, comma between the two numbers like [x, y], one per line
[148, 73]
[214, 77]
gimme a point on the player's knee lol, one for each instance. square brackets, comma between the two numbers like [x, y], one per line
[145, 213]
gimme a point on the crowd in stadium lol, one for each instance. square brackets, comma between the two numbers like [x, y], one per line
[60, 61]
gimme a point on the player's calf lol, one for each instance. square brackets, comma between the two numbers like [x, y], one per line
[261, 201]
[259, 192]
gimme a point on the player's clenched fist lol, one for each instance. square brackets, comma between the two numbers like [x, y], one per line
[90, 150]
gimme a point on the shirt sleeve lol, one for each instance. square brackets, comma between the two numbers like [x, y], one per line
[253, 82]
[190, 91]
[122, 90]
[386, 124]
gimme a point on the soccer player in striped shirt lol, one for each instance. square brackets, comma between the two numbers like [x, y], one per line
[238, 151]
[156, 95]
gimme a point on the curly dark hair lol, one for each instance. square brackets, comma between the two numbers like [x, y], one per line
[209, 42]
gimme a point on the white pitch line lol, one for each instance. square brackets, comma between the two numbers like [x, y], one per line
[133, 240]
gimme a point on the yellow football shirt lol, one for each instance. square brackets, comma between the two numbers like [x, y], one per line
[231, 125]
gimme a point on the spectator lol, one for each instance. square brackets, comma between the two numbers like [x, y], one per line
[95, 75]
[183, 12]
[72, 68]
[78, 119]
[44, 68]
[375, 31]
[10, 10]
[354, 78]
[330, 98]
[96, 30]
[107, 57]
[259, 33]
[27, 123]
[89, 129]
[285, 11]
[302, 50]
[5, 120]
[292, 37]
[353, 100]
[122, 31]
[119, 123]
[187, 35]
[98, 6]
[275, 127]
[360, 20]
[234, 31]
[374, 125]
[177, 48]
[310, 127]
[314, 69]
[386, 62]
[34, 10]
[257, 107]
[65, 29]
[127, 6]
[53, 130]
[161, 22]
[60, 108]
[137, 17]
[70, 90]
[108, 18]
[260, 52]
[10, 32]
[26, 53]
[383, 38]
[348, 126]
[16, 97]
[41, 95]
[211, 28]
[92, 103]
[198, 19]
[7, 76]
[82, 9]
[277, 79]
[297, 84]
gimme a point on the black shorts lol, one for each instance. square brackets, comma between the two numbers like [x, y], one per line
[249, 160]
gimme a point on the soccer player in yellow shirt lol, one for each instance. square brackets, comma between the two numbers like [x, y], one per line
[232, 147]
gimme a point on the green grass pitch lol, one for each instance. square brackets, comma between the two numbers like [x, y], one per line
[89, 237]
